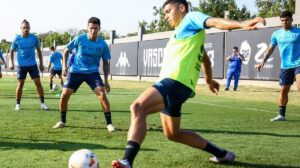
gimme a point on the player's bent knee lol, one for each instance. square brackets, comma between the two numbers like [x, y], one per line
[136, 109]
[171, 136]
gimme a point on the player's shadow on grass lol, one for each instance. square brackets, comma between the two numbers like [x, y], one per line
[100, 111]
[255, 165]
[54, 145]
[244, 133]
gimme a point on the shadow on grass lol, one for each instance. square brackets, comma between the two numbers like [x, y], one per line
[159, 129]
[243, 133]
[255, 165]
[53, 145]
[99, 110]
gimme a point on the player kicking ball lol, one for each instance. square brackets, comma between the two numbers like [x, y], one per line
[184, 57]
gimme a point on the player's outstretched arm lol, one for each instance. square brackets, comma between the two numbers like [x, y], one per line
[40, 56]
[268, 54]
[3, 61]
[206, 66]
[227, 24]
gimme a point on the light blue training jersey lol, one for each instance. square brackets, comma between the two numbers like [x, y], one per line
[25, 47]
[192, 23]
[288, 42]
[56, 58]
[88, 54]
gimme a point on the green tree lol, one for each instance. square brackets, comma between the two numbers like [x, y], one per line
[272, 8]
[217, 8]
[5, 46]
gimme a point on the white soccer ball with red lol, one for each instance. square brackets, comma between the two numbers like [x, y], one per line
[83, 158]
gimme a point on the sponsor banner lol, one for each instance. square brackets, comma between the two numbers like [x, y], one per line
[150, 57]
[214, 47]
[252, 45]
[124, 59]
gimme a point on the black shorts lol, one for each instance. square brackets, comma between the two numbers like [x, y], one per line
[32, 70]
[74, 80]
[54, 72]
[174, 94]
[287, 76]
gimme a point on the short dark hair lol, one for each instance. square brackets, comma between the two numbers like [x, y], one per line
[286, 14]
[184, 2]
[236, 48]
[94, 20]
[52, 48]
[25, 21]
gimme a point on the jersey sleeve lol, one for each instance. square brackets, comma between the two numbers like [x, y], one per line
[106, 53]
[73, 44]
[273, 39]
[37, 42]
[197, 20]
[14, 45]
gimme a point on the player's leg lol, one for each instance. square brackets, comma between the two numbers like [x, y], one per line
[150, 101]
[171, 128]
[35, 76]
[286, 79]
[21, 76]
[60, 79]
[297, 74]
[72, 84]
[51, 81]
[230, 74]
[96, 84]
[236, 80]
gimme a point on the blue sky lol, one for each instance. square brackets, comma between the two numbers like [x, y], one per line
[61, 15]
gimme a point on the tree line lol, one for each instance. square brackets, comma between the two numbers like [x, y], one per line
[214, 8]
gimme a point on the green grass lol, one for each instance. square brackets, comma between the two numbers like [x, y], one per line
[238, 121]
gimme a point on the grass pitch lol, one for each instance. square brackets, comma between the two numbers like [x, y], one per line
[238, 121]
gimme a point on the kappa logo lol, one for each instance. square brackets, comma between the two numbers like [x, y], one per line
[123, 60]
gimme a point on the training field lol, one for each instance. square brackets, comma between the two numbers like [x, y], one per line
[238, 121]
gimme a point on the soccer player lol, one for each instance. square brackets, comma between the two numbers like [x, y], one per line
[178, 78]
[3, 61]
[56, 59]
[234, 68]
[25, 45]
[90, 48]
[288, 40]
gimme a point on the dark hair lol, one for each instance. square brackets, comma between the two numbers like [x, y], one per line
[236, 48]
[94, 20]
[25, 21]
[184, 2]
[52, 48]
[286, 14]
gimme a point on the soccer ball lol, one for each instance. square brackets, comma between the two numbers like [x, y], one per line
[83, 158]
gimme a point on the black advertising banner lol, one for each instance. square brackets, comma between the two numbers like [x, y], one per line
[124, 59]
[150, 57]
[214, 46]
[252, 45]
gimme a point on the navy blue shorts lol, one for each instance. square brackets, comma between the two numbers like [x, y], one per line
[54, 72]
[174, 94]
[287, 76]
[74, 80]
[33, 72]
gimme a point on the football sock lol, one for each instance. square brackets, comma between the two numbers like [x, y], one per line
[108, 117]
[63, 116]
[131, 151]
[18, 101]
[282, 110]
[216, 151]
[42, 99]
[51, 86]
